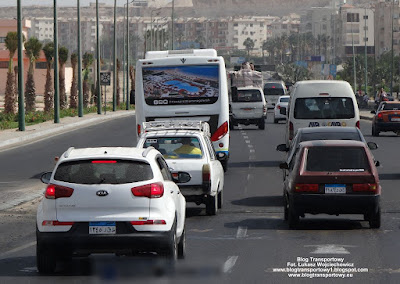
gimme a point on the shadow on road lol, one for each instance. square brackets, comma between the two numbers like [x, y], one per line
[260, 201]
[257, 164]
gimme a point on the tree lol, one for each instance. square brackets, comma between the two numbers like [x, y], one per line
[249, 45]
[48, 50]
[11, 43]
[87, 61]
[32, 49]
[74, 89]
[62, 59]
[292, 73]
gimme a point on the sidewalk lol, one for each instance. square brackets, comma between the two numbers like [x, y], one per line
[12, 137]
[366, 114]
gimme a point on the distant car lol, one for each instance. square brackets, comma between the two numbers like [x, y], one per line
[283, 101]
[332, 177]
[324, 133]
[387, 118]
[186, 146]
[272, 91]
[248, 106]
[110, 200]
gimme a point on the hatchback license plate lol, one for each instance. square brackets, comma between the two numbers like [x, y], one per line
[102, 228]
[335, 188]
[395, 119]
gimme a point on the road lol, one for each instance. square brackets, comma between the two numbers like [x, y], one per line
[247, 242]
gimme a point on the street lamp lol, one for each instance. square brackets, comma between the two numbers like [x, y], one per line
[21, 109]
[151, 26]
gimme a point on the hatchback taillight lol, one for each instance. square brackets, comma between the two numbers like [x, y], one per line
[358, 124]
[221, 132]
[54, 191]
[380, 116]
[153, 190]
[365, 187]
[306, 187]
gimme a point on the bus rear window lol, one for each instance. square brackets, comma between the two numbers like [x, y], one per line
[181, 85]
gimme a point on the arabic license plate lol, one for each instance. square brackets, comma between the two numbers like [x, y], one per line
[335, 188]
[102, 228]
[395, 119]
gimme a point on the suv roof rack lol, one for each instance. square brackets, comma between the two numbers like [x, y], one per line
[177, 125]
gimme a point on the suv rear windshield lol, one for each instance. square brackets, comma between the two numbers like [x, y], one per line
[337, 159]
[324, 108]
[247, 96]
[271, 89]
[103, 172]
[184, 147]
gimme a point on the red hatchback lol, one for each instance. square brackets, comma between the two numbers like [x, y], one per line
[333, 177]
[387, 118]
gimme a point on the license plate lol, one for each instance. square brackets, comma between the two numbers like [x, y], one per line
[335, 188]
[395, 119]
[102, 228]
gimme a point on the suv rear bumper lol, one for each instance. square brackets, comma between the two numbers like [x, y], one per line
[78, 239]
[334, 204]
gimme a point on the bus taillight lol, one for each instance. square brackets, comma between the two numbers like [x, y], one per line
[221, 131]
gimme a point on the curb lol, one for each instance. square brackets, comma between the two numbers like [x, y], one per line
[60, 129]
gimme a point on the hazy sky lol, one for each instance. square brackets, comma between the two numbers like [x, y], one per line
[59, 2]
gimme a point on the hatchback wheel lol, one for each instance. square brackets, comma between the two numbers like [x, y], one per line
[220, 199]
[182, 246]
[46, 260]
[375, 219]
[375, 132]
[293, 218]
[212, 205]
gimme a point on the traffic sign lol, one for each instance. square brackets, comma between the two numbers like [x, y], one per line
[105, 78]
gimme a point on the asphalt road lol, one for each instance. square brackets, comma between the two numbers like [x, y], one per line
[247, 242]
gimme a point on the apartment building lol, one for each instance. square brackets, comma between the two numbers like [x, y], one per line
[286, 25]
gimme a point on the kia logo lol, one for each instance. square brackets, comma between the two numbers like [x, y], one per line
[102, 193]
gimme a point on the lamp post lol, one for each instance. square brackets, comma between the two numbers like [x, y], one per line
[392, 55]
[172, 25]
[80, 89]
[123, 62]
[354, 58]
[365, 50]
[151, 27]
[56, 79]
[127, 56]
[98, 59]
[115, 59]
[21, 109]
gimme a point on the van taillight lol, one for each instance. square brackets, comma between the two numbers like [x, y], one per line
[57, 191]
[306, 187]
[138, 129]
[358, 124]
[365, 187]
[221, 131]
[153, 190]
[291, 130]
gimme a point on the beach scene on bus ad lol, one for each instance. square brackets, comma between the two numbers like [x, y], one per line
[181, 85]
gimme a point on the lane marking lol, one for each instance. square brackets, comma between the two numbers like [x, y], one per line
[241, 232]
[230, 263]
[330, 249]
[247, 141]
[246, 137]
[17, 249]
[250, 146]
[252, 150]
[29, 269]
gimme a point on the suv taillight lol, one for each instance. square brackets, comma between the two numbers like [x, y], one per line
[291, 130]
[54, 191]
[153, 190]
[221, 132]
[206, 173]
[306, 187]
[365, 187]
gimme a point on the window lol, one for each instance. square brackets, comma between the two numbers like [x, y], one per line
[164, 169]
[3, 64]
[211, 149]
[365, 17]
[2, 39]
[176, 147]
[247, 96]
[103, 171]
[353, 17]
[324, 108]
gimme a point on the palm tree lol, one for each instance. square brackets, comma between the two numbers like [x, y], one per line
[11, 43]
[32, 49]
[62, 58]
[87, 61]
[48, 50]
[249, 45]
[74, 89]
[270, 47]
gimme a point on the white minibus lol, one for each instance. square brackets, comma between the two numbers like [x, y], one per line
[185, 85]
[317, 103]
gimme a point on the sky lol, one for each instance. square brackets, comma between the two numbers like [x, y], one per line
[9, 3]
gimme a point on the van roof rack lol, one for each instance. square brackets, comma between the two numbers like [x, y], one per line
[177, 125]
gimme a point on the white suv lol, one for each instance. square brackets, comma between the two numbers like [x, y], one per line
[186, 146]
[110, 200]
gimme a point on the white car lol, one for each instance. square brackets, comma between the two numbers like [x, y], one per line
[110, 200]
[186, 146]
[283, 101]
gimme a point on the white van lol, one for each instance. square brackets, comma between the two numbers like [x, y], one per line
[317, 103]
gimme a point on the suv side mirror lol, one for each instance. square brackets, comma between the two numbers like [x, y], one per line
[234, 94]
[282, 110]
[282, 148]
[45, 178]
[284, 166]
[181, 177]
[372, 145]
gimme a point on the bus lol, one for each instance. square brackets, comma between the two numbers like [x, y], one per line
[185, 85]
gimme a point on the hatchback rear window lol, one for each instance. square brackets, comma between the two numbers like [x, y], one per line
[324, 108]
[390, 107]
[284, 100]
[103, 171]
[247, 96]
[337, 159]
